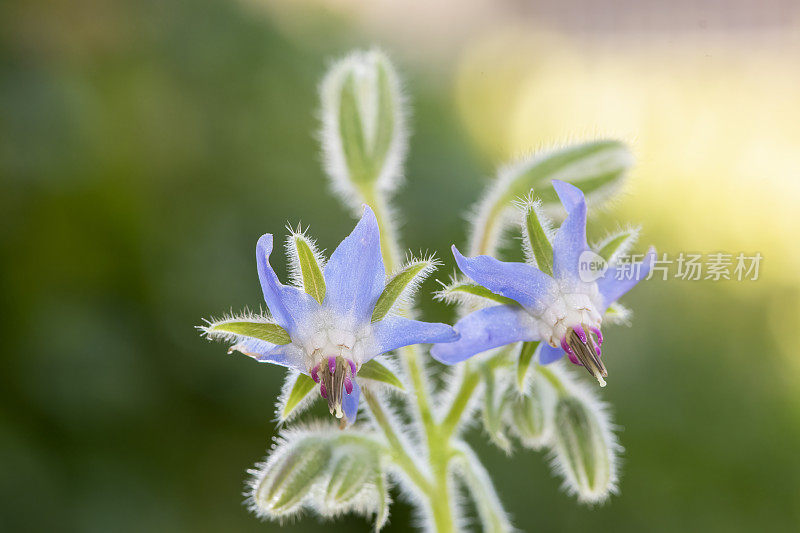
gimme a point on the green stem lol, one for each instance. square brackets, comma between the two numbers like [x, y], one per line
[399, 451]
[439, 452]
[469, 381]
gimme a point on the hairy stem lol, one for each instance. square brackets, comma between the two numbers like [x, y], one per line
[439, 452]
[469, 381]
[399, 452]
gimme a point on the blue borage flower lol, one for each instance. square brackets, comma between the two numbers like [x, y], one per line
[329, 341]
[564, 310]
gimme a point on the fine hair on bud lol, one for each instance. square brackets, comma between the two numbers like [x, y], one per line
[530, 417]
[363, 134]
[585, 448]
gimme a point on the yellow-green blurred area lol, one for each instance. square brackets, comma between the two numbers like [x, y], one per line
[145, 146]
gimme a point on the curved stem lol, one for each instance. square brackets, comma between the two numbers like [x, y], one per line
[399, 451]
[469, 382]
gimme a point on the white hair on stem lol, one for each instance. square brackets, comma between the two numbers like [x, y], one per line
[479, 487]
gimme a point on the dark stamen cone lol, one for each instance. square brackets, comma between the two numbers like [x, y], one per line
[334, 383]
[586, 352]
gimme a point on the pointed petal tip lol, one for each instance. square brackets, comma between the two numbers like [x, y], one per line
[368, 214]
[570, 195]
[265, 243]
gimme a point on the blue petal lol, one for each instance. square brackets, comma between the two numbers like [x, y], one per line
[570, 240]
[265, 352]
[395, 332]
[611, 288]
[350, 403]
[519, 281]
[548, 354]
[289, 306]
[486, 329]
[354, 276]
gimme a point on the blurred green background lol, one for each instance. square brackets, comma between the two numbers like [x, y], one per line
[144, 147]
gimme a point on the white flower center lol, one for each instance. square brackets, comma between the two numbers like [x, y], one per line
[570, 307]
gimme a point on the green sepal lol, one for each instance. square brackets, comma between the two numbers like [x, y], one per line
[353, 470]
[461, 289]
[396, 285]
[526, 351]
[535, 237]
[352, 133]
[310, 270]
[265, 331]
[364, 156]
[302, 387]
[617, 244]
[375, 371]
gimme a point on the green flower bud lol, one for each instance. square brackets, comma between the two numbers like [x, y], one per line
[281, 484]
[585, 448]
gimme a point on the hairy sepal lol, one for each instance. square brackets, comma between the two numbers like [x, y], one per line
[306, 264]
[464, 292]
[401, 285]
[617, 244]
[296, 396]
[381, 372]
[537, 234]
[236, 328]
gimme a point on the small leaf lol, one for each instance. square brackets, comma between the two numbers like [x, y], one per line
[585, 448]
[617, 244]
[527, 349]
[464, 291]
[409, 277]
[535, 229]
[302, 387]
[375, 371]
[310, 270]
[266, 331]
